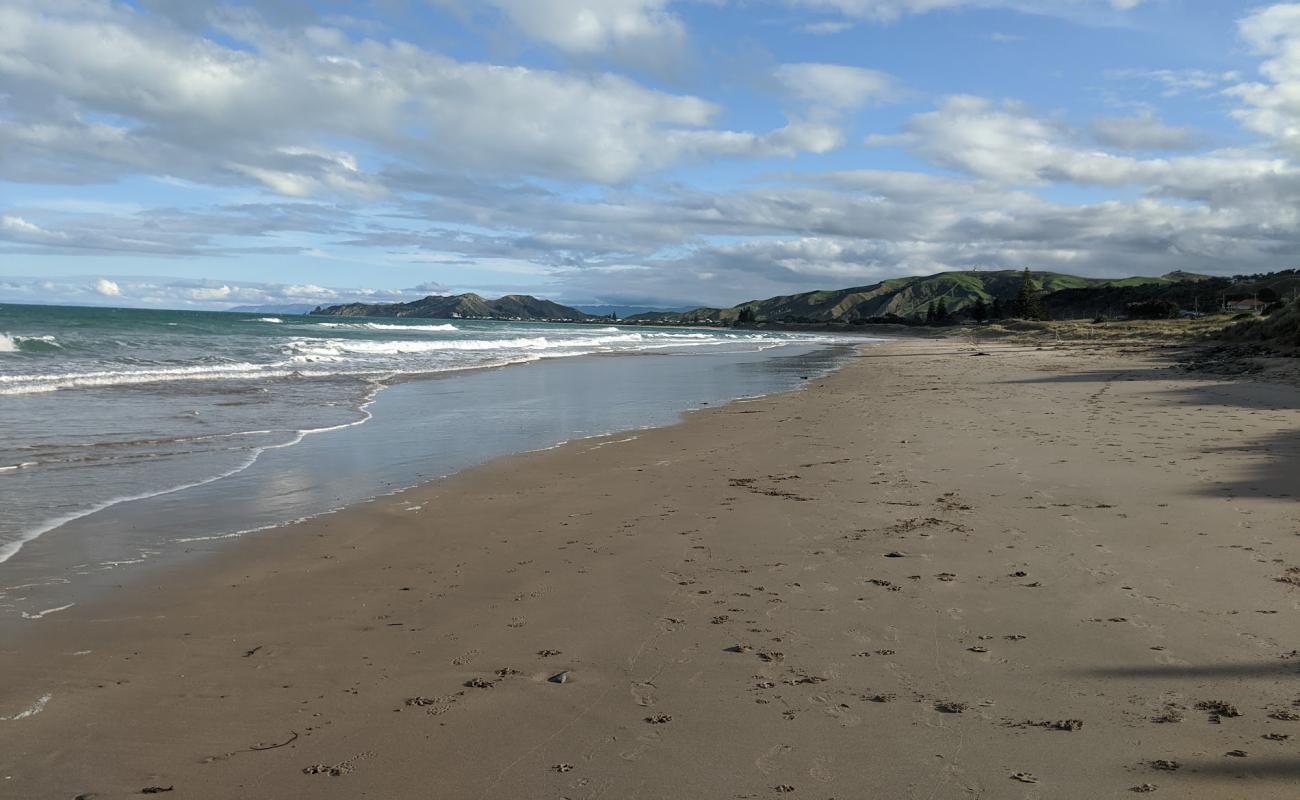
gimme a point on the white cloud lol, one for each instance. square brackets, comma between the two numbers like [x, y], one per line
[193, 108]
[1272, 106]
[1143, 132]
[1006, 143]
[836, 86]
[185, 292]
[1175, 82]
[594, 26]
[108, 288]
[826, 27]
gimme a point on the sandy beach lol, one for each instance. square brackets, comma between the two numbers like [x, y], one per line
[946, 571]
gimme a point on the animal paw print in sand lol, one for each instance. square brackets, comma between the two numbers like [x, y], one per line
[465, 658]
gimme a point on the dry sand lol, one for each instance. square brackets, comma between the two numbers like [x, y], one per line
[1027, 574]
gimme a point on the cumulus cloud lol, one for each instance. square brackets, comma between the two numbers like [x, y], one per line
[1272, 106]
[170, 101]
[1007, 143]
[108, 288]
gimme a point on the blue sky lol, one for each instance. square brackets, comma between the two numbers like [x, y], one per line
[198, 153]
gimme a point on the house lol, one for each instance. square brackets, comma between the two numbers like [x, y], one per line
[1250, 305]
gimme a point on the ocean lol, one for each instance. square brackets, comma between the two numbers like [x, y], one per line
[127, 434]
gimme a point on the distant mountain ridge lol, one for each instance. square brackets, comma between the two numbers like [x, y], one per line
[1064, 297]
[464, 306]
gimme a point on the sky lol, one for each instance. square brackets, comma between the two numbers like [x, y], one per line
[666, 153]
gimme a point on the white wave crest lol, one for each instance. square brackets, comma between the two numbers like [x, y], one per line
[383, 326]
[31, 384]
[14, 344]
[272, 320]
[338, 347]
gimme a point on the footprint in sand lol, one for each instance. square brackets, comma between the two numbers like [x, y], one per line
[766, 763]
[834, 710]
[645, 741]
[688, 654]
[644, 693]
[858, 636]
[821, 769]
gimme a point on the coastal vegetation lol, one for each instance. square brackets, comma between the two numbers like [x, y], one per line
[993, 295]
[1279, 330]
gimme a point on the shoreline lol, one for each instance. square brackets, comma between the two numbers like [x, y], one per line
[224, 489]
[643, 560]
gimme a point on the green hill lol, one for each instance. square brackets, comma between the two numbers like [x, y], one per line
[464, 306]
[1064, 297]
[898, 297]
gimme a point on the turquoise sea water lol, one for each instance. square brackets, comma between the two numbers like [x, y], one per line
[122, 430]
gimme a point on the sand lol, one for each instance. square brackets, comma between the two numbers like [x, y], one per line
[1059, 573]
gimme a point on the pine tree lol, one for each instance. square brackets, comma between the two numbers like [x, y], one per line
[997, 311]
[979, 310]
[929, 312]
[1028, 303]
[941, 311]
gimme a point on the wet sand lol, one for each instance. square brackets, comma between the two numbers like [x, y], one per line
[1062, 573]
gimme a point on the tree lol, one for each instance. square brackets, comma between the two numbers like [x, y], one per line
[1153, 309]
[979, 311]
[997, 311]
[930, 312]
[1028, 303]
[941, 311]
[747, 316]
